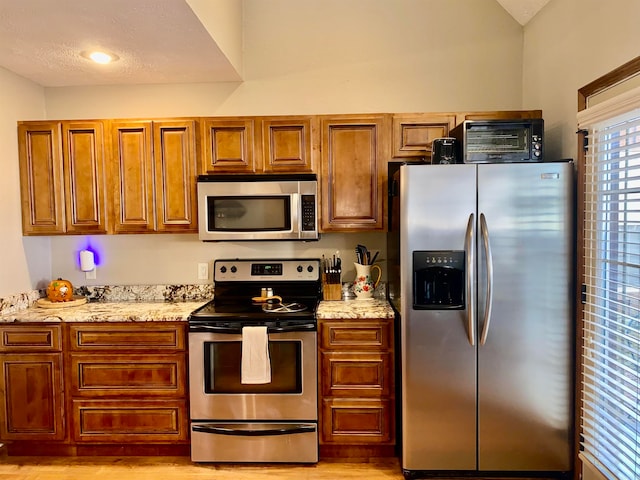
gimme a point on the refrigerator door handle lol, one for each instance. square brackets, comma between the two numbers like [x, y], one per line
[470, 291]
[484, 233]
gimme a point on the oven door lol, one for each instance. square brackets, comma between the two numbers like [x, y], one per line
[216, 390]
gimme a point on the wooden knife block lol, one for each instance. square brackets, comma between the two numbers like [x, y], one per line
[331, 291]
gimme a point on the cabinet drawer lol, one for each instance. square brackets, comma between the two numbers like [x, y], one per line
[129, 421]
[127, 337]
[130, 375]
[352, 421]
[356, 374]
[31, 338]
[375, 335]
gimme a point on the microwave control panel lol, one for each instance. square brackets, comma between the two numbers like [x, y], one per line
[308, 213]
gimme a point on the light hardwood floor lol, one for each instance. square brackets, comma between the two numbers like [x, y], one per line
[174, 468]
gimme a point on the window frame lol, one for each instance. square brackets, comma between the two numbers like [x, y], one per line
[609, 80]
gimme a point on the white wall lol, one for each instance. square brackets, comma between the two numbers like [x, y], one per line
[312, 56]
[23, 261]
[566, 46]
[223, 21]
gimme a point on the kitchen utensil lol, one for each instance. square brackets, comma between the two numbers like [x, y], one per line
[266, 299]
[280, 307]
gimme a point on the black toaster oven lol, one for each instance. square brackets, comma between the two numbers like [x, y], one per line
[501, 141]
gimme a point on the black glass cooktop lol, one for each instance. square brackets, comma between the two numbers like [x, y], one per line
[290, 310]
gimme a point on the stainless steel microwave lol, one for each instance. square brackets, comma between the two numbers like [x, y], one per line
[501, 141]
[257, 207]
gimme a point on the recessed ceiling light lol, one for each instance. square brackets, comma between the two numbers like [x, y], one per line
[100, 57]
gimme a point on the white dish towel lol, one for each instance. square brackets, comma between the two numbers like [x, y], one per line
[256, 365]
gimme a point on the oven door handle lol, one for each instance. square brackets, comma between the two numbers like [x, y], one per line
[302, 327]
[252, 430]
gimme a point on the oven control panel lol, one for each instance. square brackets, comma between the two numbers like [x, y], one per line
[243, 270]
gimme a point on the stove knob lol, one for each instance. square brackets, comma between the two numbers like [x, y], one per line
[234, 269]
[299, 268]
[223, 269]
[310, 268]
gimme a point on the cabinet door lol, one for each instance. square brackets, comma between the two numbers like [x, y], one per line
[40, 154]
[288, 144]
[414, 134]
[175, 176]
[132, 177]
[84, 178]
[354, 159]
[497, 115]
[32, 404]
[230, 146]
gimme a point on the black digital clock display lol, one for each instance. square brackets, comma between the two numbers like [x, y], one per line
[268, 269]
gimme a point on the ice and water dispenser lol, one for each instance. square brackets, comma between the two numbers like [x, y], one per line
[439, 280]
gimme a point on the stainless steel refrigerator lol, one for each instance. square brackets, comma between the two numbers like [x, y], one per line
[481, 272]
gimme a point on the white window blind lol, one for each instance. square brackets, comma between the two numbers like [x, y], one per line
[610, 419]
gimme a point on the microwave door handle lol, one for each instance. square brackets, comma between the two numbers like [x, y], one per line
[266, 430]
[484, 232]
[469, 269]
[296, 213]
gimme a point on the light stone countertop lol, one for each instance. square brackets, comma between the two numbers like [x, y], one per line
[155, 303]
[372, 308]
[132, 311]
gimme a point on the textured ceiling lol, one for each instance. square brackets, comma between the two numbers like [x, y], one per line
[158, 41]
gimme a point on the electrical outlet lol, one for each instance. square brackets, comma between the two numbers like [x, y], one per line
[203, 271]
[90, 275]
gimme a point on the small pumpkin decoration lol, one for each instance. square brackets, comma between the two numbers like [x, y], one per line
[60, 291]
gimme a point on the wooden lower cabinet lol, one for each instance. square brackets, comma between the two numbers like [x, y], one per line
[356, 388]
[32, 399]
[94, 389]
[127, 385]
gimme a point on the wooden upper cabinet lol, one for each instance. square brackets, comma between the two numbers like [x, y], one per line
[282, 144]
[84, 177]
[229, 145]
[413, 134]
[40, 153]
[132, 176]
[62, 177]
[498, 115]
[175, 175]
[354, 160]
[154, 176]
[288, 144]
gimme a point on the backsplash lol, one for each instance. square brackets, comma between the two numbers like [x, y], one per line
[14, 303]
[136, 293]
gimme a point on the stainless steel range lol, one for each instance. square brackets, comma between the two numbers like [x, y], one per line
[253, 364]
